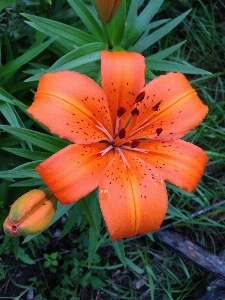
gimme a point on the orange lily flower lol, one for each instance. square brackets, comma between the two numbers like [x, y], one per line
[107, 9]
[126, 140]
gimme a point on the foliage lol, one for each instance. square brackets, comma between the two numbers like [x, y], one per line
[75, 253]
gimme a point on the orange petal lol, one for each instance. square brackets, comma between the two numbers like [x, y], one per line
[133, 199]
[178, 162]
[70, 104]
[122, 76]
[170, 109]
[75, 171]
[107, 9]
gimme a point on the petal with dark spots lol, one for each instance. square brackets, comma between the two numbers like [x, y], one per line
[75, 171]
[133, 199]
[178, 162]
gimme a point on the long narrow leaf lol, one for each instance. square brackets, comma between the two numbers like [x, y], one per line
[119, 248]
[89, 20]
[11, 67]
[162, 65]
[75, 58]
[66, 35]
[139, 24]
[6, 3]
[44, 141]
[152, 38]
[164, 53]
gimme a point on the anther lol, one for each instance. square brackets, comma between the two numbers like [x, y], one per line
[120, 111]
[134, 143]
[135, 112]
[122, 133]
[140, 97]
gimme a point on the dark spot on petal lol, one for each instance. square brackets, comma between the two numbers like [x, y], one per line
[159, 131]
[140, 97]
[156, 107]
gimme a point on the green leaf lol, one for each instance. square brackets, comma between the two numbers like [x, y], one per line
[24, 257]
[11, 67]
[119, 248]
[72, 219]
[6, 3]
[92, 198]
[168, 66]
[134, 267]
[176, 212]
[32, 155]
[41, 140]
[67, 36]
[164, 53]
[6, 97]
[33, 182]
[54, 255]
[78, 57]
[116, 28]
[87, 17]
[10, 114]
[88, 214]
[138, 24]
[143, 44]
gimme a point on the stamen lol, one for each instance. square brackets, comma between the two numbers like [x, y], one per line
[103, 152]
[135, 143]
[122, 133]
[117, 125]
[120, 111]
[134, 149]
[139, 128]
[105, 131]
[122, 156]
[140, 97]
[135, 112]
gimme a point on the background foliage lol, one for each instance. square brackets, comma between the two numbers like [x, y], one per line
[74, 258]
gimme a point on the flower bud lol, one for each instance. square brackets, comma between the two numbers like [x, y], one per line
[107, 9]
[31, 213]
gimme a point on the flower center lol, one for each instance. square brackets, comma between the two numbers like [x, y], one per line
[119, 141]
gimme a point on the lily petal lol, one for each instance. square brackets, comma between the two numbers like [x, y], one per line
[133, 199]
[122, 78]
[75, 171]
[170, 109]
[71, 105]
[178, 162]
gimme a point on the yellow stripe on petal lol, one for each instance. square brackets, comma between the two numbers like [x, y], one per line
[72, 106]
[75, 171]
[133, 197]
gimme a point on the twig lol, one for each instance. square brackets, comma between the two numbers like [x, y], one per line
[172, 224]
[203, 258]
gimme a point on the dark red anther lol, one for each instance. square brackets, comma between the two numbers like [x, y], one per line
[134, 143]
[135, 112]
[156, 107]
[159, 131]
[122, 133]
[120, 111]
[140, 97]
